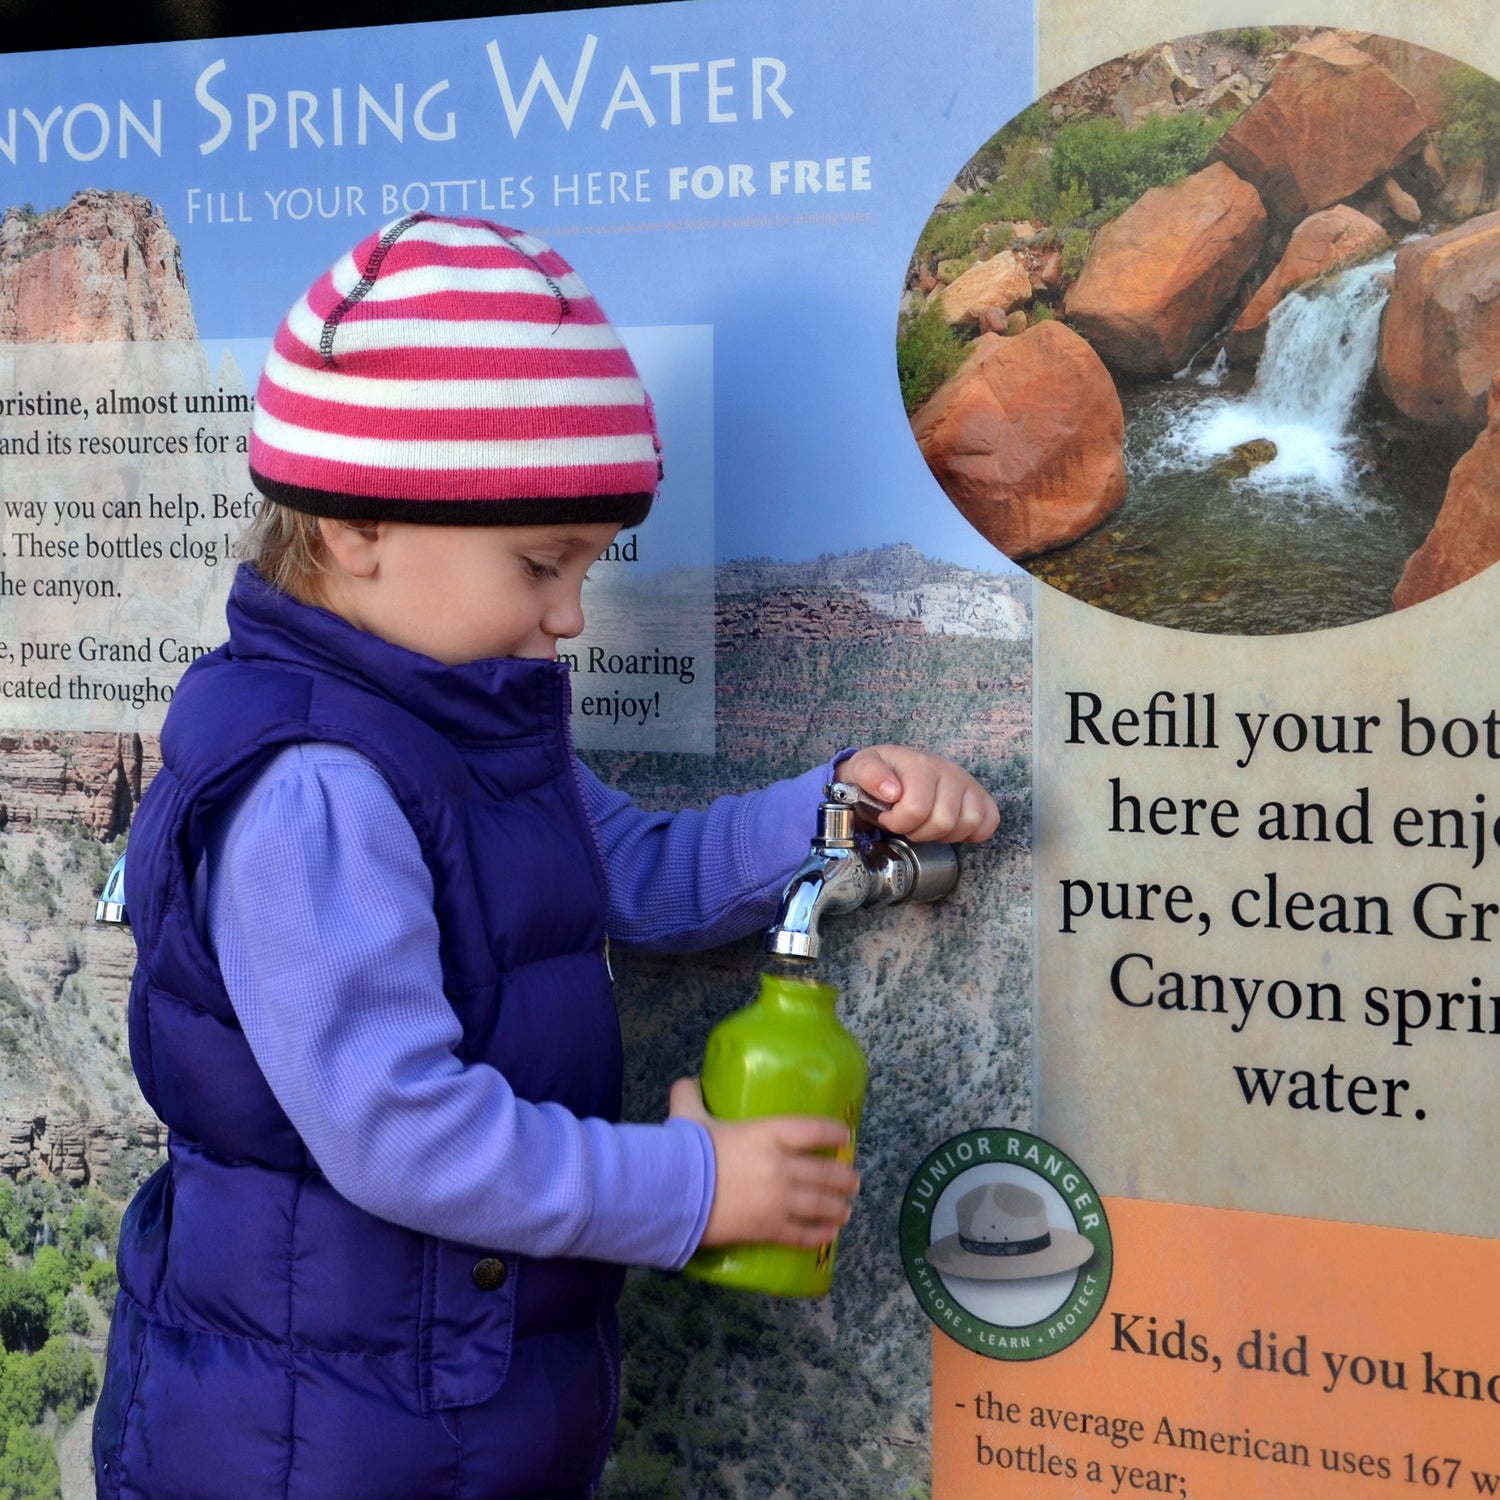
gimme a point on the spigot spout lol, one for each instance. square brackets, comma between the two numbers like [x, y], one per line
[828, 880]
[842, 872]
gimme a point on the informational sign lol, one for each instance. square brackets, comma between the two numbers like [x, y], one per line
[720, 178]
[1265, 895]
[1017, 400]
[740, 186]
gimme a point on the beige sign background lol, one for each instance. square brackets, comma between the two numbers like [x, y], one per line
[1282, 993]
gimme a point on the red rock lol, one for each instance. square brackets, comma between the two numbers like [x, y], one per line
[1050, 270]
[1322, 241]
[1331, 120]
[1000, 282]
[1421, 71]
[1463, 190]
[1028, 439]
[1440, 339]
[1158, 88]
[1433, 164]
[1465, 538]
[1233, 93]
[1400, 202]
[1160, 276]
[103, 269]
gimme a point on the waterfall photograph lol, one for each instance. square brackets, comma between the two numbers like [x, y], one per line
[1267, 502]
[1206, 336]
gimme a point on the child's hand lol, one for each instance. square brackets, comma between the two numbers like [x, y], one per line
[769, 1188]
[931, 798]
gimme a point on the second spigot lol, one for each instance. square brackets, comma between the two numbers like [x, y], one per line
[845, 869]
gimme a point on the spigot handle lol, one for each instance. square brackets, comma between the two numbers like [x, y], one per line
[848, 794]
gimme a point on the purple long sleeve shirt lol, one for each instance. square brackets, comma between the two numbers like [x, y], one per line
[315, 899]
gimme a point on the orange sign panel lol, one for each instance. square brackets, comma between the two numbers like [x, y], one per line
[1245, 1356]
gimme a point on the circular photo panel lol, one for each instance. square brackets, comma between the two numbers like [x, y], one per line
[1208, 336]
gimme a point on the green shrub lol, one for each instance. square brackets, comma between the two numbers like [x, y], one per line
[1257, 39]
[955, 232]
[1108, 161]
[1075, 251]
[91, 1227]
[25, 1316]
[86, 856]
[1073, 203]
[37, 886]
[21, 1402]
[642, 1476]
[50, 1271]
[15, 1222]
[996, 157]
[1058, 176]
[999, 237]
[1031, 125]
[101, 1282]
[928, 352]
[28, 1467]
[65, 1377]
[948, 271]
[1471, 118]
[1024, 189]
[1111, 208]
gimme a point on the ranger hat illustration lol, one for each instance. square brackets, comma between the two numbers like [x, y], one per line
[1003, 1235]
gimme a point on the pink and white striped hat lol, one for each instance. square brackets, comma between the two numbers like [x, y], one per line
[453, 372]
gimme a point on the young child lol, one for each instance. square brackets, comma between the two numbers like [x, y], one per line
[372, 891]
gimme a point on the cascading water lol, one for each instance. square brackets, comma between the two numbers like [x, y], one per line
[1271, 509]
[1319, 355]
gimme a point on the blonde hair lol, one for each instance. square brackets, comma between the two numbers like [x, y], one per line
[287, 549]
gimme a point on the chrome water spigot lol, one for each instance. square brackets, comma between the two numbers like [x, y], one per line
[110, 907]
[846, 869]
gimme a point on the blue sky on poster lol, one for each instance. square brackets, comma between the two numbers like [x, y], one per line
[664, 161]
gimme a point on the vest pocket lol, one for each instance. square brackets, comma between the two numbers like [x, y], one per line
[467, 1327]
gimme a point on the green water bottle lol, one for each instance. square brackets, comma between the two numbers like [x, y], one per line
[785, 1053]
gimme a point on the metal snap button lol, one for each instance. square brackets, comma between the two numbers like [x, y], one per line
[489, 1273]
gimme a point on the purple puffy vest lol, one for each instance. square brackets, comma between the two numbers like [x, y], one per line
[270, 1338]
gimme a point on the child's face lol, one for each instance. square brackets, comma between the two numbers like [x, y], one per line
[464, 593]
